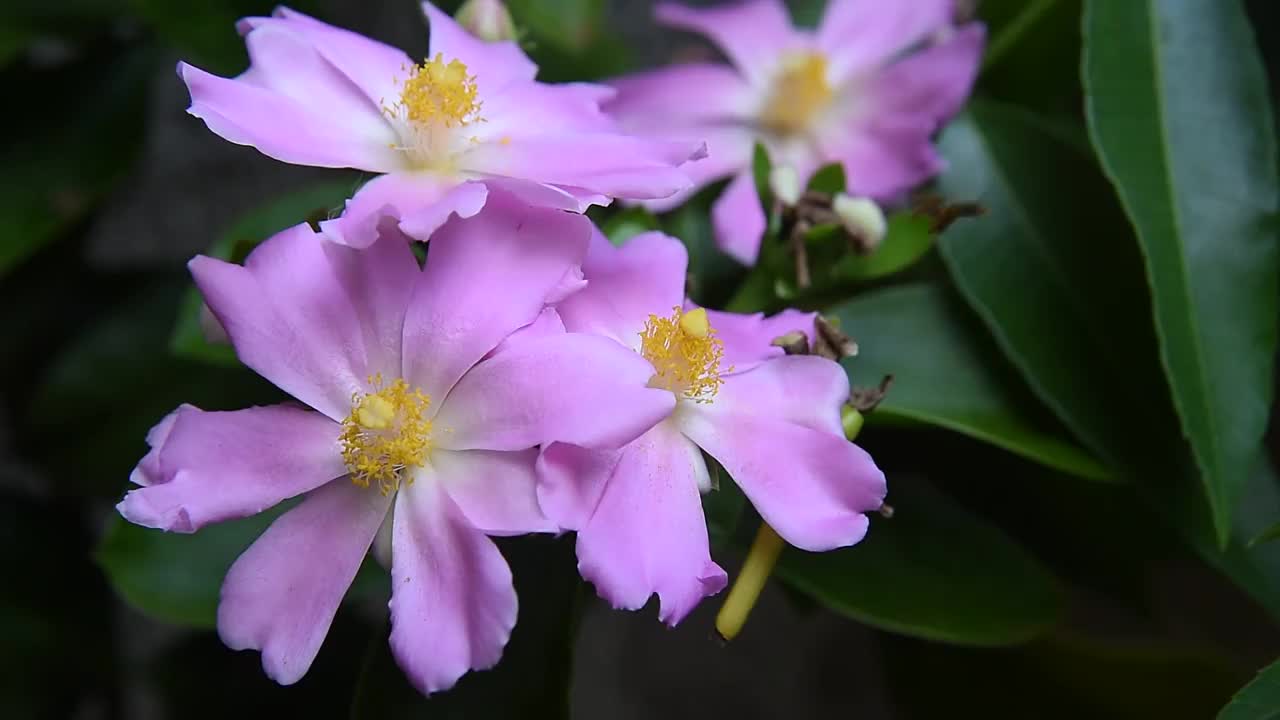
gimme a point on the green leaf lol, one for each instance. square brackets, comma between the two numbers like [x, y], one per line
[172, 576]
[1179, 112]
[1059, 289]
[625, 225]
[1266, 536]
[531, 680]
[312, 204]
[1033, 54]
[907, 240]
[1259, 700]
[176, 577]
[81, 127]
[934, 571]
[946, 373]
[570, 25]
[828, 179]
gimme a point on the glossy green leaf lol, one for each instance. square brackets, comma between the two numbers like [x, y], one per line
[934, 571]
[1259, 700]
[312, 204]
[1179, 112]
[906, 240]
[947, 373]
[1060, 289]
[1061, 292]
[80, 128]
[1033, 54]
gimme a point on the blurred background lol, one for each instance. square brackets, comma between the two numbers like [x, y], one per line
[1007, 585]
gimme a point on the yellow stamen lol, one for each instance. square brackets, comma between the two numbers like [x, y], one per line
[386, 432]
[800, 91]
[685, 352]
[439, 93]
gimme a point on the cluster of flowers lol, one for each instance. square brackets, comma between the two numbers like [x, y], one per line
[529, 376]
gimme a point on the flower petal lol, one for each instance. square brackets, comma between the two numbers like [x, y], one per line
[752, 33]
[453, 604]
[611, 164]
[583, 389]
[540, 194]
[564, 106]
[933, 82]
[313, 317]
[803, 389]
[280, 596]
[728, 153]
[682, 96]
[485, 277]
[571, 480]
[421, 202]
[739, 220]
[627, 284]
[494, 64]
[859, 34]
[149, 471]
[215, 466]
[647, 534]
[748, 338]
[883, 155]
[810, 485]
[371, 65]
[294, 106]
[496, 491]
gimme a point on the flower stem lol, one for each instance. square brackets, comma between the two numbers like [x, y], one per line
[750, 581]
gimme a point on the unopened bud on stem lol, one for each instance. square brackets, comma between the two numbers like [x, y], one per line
[862, 219]
[785, 184]
[487, 19]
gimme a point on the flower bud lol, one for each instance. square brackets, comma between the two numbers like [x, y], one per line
[785, 184]
[862, 219]
[487, 19]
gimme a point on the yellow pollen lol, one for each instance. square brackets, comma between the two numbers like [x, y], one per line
[386, 432]
[800, 91]
[439, 93]
[685, 352]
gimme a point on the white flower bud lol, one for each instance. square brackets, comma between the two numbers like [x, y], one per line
[487, 19]
[862, 218]
[785, 184]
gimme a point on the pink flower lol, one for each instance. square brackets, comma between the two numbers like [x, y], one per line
[425, 393]
[867, 89]
[440, 132]
[772, 421]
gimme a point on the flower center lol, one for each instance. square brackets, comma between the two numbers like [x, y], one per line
[799, 92]
[435, 98]
[685, 352]
[439, 93]
[385, 433]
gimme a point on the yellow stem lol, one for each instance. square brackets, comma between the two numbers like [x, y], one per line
[750, 581]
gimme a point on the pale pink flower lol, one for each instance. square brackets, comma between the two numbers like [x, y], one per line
[868, 89]
[440, 132]
[772, 421]
[423, 395]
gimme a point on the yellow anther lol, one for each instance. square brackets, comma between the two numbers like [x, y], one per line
[386, 432]
[376, 412]
[438, 93]
[800, 91]
[695, 323]
[685, 354]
